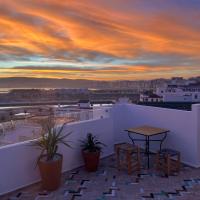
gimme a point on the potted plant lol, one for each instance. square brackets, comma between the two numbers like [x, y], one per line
[50, 161]
[91, 149]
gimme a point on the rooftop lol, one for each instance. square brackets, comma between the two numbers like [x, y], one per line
[19, 178]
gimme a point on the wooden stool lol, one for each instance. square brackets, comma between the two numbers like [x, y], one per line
[127, 156]
[168, 160]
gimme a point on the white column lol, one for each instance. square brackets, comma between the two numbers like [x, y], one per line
[196, 129]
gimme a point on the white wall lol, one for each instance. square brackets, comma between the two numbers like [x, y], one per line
[196, 117]
[17, 162]
[179, 97]
[184, 127]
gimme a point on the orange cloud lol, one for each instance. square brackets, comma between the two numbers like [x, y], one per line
[99, 31]
[109, 73]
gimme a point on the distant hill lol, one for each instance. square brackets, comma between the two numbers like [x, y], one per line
[23, 82]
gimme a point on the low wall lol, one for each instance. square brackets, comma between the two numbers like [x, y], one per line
[18, 161]
[184, 127]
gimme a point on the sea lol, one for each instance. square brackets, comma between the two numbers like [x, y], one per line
[6, 90]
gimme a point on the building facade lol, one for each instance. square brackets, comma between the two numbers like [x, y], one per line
[179, 90]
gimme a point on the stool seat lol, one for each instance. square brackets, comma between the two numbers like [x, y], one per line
[168, 160]
[127, 147]
[127, 156]
[168, 151]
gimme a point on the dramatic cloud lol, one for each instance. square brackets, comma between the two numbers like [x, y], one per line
[116, 39]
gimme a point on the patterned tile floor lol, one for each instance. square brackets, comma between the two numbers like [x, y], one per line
[110, 184]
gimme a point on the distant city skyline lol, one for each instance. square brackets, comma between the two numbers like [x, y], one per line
[100, 40]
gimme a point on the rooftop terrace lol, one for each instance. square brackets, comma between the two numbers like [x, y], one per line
[18, 160]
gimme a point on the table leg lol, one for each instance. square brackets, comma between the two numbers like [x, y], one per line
[146, 145]
[132, 139]
[147, 149]
[148, 153]
[162, 140]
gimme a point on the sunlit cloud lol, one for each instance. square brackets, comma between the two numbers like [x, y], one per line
[104, 73]
[101, 40]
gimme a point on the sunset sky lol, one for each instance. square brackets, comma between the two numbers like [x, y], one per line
[100, 39]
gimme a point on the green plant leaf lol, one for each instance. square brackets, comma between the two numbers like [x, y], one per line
[50, 138]
[91, 143]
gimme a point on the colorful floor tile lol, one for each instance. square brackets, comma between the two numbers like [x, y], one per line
[109, 183]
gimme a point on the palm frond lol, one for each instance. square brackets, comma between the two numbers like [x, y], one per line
[91, 143]
[50, 139]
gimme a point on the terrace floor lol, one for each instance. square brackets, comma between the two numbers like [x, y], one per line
[110, 184]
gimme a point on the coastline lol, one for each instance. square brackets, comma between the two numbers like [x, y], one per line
[50, 103]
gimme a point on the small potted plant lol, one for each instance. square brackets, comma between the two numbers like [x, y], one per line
[91, 149]
[50, 161]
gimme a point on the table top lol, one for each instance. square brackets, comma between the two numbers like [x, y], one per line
[147, 130]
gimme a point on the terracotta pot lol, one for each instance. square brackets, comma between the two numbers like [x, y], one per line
[91, 160]
[50, 172]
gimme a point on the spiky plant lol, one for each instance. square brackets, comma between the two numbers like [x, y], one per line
[91, 144]
[50, 138]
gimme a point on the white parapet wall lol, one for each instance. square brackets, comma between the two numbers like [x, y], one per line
[18, 161]
[184, 127]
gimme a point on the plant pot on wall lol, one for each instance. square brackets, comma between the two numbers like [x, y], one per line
[50, 172]
[91, 149]
[91, 160]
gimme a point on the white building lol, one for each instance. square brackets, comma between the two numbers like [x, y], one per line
[180, 90]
